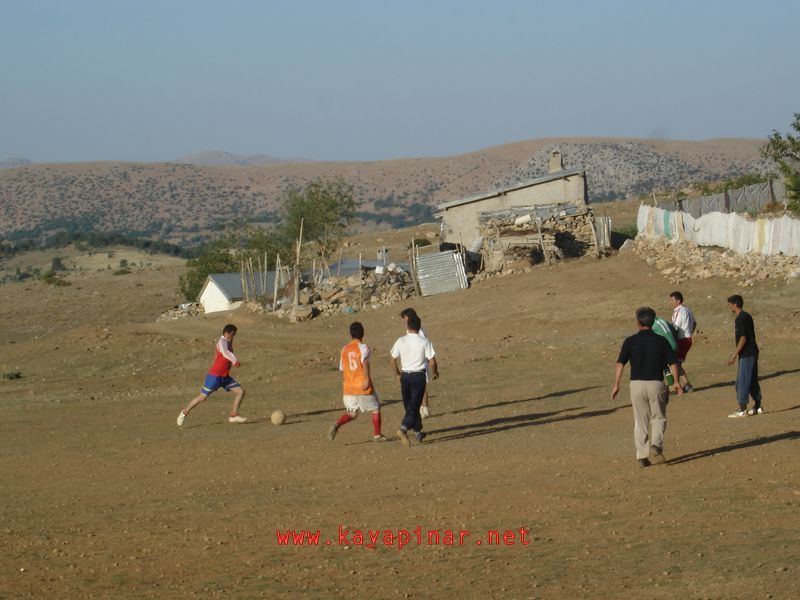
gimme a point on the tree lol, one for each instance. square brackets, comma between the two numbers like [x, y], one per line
[326, 208]
[225, 255]
[785, 151]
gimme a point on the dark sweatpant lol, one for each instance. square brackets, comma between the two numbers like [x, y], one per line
[747, 382]
[412, 385]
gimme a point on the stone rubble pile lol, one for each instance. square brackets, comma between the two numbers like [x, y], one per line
[686, 260]
[348, 295]
[509, 242]
[189, 309]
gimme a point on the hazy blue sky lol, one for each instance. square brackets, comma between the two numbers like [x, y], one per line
[145, 80]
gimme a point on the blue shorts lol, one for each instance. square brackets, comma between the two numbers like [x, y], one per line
[214, 382]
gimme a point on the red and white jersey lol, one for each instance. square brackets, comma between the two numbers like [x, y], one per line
[224, 358]
[351, 364]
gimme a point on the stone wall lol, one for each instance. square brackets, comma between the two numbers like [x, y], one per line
[686, 260]
[507, 241]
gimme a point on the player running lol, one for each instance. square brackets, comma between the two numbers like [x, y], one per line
[219, 377]
[358, 390]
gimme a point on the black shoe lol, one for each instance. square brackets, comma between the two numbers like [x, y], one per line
[420, 435]
[644, 462]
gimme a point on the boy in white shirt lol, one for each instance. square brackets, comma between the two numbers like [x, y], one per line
[424, 409]
[412, 351]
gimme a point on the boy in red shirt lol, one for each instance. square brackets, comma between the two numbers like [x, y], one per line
[219, 377]
[358, 391]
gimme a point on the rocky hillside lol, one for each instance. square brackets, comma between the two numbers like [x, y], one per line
[184, 203]
[623, 169]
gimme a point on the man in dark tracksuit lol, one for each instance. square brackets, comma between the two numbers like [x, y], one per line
[747, 355]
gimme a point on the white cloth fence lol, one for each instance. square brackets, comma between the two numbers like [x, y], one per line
[764, 236]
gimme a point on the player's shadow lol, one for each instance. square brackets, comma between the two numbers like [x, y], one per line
[499, 424]
[720, 384]
[772, 412]
[759, 441]
[509, 402]
[290, 420]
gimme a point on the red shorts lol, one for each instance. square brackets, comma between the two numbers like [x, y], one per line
[683, 348]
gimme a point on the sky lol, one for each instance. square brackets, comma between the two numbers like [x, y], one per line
[146, 80]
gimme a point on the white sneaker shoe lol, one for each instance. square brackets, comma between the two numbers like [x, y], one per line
[181, 419]
[755, 411]
[737, 414]
[237, 419]
[424, 412]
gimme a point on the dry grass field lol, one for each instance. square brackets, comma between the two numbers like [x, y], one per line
[74, 259]
[104, 496]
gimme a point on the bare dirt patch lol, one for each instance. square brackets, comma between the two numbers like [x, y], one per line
[103, 496]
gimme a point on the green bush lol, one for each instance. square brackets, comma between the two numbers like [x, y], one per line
[50, 278]
[629, 230]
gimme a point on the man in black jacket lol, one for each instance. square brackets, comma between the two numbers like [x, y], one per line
[649, 354]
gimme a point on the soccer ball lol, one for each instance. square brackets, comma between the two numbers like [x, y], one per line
[278, 417]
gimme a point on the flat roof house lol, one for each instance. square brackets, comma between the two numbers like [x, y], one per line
[460, 223]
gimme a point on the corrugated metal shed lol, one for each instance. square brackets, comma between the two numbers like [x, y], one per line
[440, 273]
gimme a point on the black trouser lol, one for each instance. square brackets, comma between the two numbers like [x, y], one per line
[413, 387]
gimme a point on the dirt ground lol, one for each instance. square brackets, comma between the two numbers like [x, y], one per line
[103, 496]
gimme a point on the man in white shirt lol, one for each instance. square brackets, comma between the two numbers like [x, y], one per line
[685, 324]
[424, 409]
[412, 351]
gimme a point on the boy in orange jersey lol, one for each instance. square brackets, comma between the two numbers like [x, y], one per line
[358, 391]
[219, 376]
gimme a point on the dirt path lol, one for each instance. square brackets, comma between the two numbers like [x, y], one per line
[103, 496]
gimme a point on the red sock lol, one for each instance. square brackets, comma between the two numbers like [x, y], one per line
[376, 423]
[345, 418]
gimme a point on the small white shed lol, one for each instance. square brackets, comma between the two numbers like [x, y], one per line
[223, 291]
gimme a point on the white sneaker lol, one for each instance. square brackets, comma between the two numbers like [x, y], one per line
[737, 414]
[181, 419]
[755, 411]
[237, 419]
[424, 412]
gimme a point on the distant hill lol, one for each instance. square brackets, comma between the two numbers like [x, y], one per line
[184, 203]
[218, 158]
[10, 163]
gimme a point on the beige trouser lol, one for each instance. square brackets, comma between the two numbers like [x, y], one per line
[649, 401]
